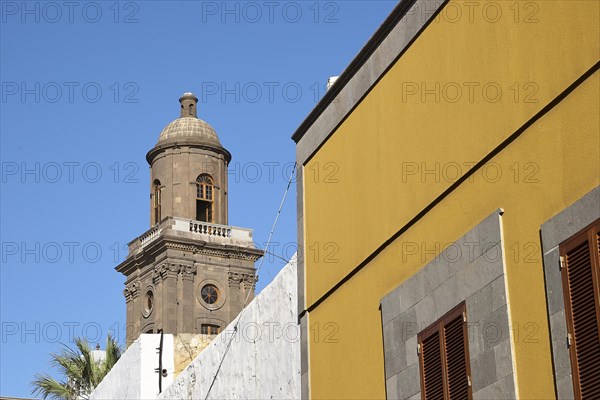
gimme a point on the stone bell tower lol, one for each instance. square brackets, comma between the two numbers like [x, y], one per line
[190, 272]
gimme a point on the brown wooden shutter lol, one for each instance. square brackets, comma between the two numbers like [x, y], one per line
[432, 375]
[580, 257]
[444, 358]
[456, 361]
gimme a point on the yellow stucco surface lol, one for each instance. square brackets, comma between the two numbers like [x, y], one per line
[366, 189]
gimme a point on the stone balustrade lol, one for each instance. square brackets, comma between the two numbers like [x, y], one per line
[210, 229]
[150, 235]
[212, 232]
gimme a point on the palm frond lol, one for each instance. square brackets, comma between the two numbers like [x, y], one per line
[82, 372]
[113, 353]
[47, 386]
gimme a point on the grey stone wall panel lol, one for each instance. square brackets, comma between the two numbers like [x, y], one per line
[553, 232]
[473, 273]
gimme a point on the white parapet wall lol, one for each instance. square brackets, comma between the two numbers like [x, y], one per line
[134, 376]
[124, 379]
[263, 359]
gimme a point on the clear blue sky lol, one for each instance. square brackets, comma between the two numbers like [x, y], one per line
[86, 90]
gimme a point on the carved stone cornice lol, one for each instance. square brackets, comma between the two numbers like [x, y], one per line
[249, 280]
[164, 271]
[188, 272]
[131, 291]
[235, 278]
[145, 255]
[156, 275]
[215, 252]
[171, 270]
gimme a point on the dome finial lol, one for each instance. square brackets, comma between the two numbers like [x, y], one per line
[188, 105]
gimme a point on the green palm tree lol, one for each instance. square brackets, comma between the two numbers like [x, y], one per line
[81, 372]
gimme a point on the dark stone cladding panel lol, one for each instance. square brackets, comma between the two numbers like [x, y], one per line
[471, 269]
[553, 232]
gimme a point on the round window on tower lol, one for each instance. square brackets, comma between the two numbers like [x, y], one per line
[210, 294]
[148, 302]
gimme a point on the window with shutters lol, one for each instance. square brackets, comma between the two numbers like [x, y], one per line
[204, 198]
[580, 269]
[156, 201]
[209, 329]
[444, 358]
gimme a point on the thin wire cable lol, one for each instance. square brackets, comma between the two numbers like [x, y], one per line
[239, 319]
[285, 261]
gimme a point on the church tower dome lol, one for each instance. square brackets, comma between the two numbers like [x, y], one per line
[188, 129]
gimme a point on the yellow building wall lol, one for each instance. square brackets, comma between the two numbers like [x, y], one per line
[356, 196]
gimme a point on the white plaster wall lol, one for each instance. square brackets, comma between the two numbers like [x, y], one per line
[123, 380]
[263, 360]
[134, 375]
